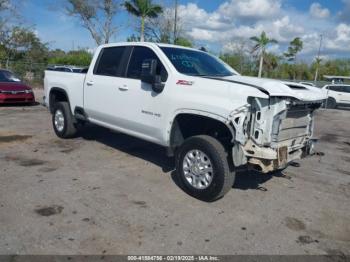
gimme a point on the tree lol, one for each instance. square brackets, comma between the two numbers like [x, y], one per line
[294, 48]
[183, 42]
[160, 28]
[22, 43]
[318, 61]
[76, 58]
[143, 9]
[271, 63]
[133, 38]
[96, 16]
[7, 14]
[261, 43]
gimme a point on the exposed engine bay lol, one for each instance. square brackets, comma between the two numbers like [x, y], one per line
[270, 133]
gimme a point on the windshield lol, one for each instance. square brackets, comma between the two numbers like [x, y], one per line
[196, 63]
[7, 76]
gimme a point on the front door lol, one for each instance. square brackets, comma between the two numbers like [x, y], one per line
[143, 109]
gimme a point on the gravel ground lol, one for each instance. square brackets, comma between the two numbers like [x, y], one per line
[107, 193]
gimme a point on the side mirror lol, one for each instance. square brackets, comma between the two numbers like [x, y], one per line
[149, 70]
[149, 75]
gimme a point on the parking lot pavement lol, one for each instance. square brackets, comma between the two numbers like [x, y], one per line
[107, 193]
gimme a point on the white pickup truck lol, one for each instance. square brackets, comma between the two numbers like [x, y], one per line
[205, 113]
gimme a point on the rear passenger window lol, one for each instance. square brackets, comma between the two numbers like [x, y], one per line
[139, 54]
[109, 62]
[336, 88]
[346, 89]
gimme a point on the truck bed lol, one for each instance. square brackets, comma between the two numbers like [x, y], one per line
[71, 83]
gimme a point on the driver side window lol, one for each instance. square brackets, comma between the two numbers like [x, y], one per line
[139, 54]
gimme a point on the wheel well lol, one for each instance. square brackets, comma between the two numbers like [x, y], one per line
[188, 125]
[57, 95]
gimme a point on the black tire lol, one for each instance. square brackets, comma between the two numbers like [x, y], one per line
[222, 177]
[69, 129]
[331, 103]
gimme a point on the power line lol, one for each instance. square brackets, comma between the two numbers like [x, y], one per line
[175, 21]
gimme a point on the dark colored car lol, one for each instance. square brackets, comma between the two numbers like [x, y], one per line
[13, 91]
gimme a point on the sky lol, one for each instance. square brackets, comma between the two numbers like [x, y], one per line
[216, 24]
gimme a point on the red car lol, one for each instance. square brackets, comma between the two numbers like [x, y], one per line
[13, 91]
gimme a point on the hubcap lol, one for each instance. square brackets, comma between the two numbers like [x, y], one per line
[198, 169]
[59, 120]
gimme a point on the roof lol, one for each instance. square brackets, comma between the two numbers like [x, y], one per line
[149, 44]
[336, 77]
[335, 85]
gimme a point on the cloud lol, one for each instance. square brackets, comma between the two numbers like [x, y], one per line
[344, 14]
[317, 11]
[253, 9]
[336, 43]
[199, 18]
[341, 41]
[241, 19]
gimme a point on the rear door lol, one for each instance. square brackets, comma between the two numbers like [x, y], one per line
[336, 92]
[103, 86]
[346, 95]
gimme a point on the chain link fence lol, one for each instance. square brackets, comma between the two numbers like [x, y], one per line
[29, 72]
[33, 73]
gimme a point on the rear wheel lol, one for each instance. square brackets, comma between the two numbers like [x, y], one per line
[62, 120]
[203, 169]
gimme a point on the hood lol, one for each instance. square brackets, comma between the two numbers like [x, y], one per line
[13, 86]
[279, 88]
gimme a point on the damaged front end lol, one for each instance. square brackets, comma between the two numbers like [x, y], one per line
[271, 133]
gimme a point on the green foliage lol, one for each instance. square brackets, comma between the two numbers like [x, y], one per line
[260, 47]
[262, 42]
[183, 42]
[276, 67]
[143, 9]
[23, 52]
[133, 38]
[294, 48]
[77, 58]
[240, 62]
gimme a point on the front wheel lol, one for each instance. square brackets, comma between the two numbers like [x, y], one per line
[203, 168]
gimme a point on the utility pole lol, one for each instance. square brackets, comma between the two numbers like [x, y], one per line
[318, 58]
[175, 21]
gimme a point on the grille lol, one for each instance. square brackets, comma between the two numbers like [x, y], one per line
[295, 125]
[12, 92]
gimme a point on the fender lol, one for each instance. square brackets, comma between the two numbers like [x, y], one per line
[225, 120]
[58, 89]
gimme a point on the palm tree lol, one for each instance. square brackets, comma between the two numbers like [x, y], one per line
[143, 9]
[318, 61]
[261, 43]
[294, 48]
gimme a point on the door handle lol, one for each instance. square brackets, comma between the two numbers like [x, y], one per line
[90, 83]
[123, 88]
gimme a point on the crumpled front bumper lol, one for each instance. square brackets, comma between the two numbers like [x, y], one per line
[267, 160]
[270, 134]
